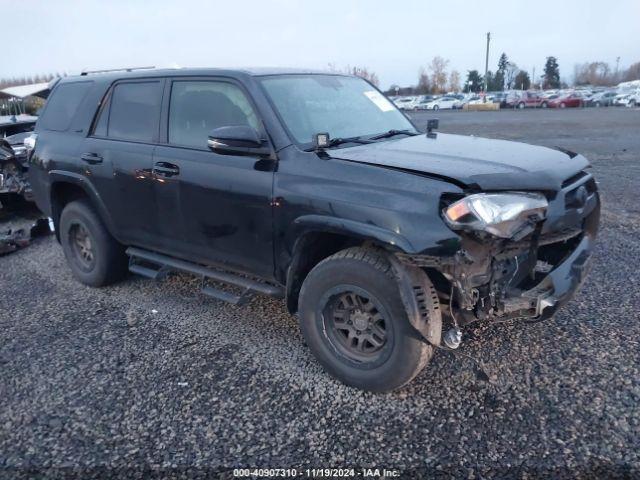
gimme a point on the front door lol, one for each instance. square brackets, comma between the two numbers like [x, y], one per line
[212, 208]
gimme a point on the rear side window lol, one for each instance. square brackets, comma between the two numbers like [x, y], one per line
[134, 112]
[63, 105]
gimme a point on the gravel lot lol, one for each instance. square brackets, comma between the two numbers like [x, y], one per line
[148, 376]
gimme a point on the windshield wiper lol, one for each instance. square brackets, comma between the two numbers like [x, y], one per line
[334, 142]
[393, 133]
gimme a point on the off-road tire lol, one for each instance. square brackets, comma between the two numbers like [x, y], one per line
[109, 259]
[405, 354]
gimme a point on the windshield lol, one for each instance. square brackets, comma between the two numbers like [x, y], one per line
[343, 107]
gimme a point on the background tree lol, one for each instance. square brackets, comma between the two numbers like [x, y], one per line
[474, 81]
[522, 81]
[499, 78]
[364, 72]
[438, 69]
[424, 82]
[551, 73]
[594, 73]
[454, 81]
[510, 72]
[632, 73]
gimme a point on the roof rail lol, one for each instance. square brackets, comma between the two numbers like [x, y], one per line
[126, 69]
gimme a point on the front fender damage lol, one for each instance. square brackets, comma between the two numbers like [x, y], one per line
[420, 300]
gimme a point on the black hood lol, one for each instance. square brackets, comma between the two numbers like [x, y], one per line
[476, 163]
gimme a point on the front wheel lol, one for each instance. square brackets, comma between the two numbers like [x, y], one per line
[521, 105]
[436, 107]
[563, 105]
[353, 319]
[544, 105]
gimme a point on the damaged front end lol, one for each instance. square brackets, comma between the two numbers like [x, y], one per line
[13, 169]
[521, 255]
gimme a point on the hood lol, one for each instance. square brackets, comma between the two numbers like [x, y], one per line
[472, 162]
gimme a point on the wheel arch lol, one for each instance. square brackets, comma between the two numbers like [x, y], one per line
[318, 237]
[67, 187]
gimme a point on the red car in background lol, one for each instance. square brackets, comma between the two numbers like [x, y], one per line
[523, 100]
[568, 100]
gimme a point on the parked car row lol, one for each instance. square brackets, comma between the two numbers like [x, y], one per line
[570, 98]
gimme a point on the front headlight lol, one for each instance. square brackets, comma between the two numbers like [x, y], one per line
[501, 214]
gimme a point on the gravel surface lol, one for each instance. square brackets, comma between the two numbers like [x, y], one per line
[152, 378]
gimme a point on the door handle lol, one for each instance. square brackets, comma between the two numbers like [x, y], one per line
[91, 158]
[165, 169]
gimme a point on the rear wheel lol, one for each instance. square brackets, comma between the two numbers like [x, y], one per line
[94, 256]
[521, 105]
[563, 105]
[354, 321]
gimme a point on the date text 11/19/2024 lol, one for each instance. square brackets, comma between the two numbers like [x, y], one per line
[316, 472]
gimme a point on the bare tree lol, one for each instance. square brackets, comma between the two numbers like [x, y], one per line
[510, 73]
[438, 69]
[364, 72]
[594, 73]
[424, 83]
[632, 73]
[454, 81]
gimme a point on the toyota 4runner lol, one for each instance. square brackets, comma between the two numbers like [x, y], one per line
[315, 188]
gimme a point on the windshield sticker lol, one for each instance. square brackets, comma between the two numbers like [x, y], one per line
[381, 102]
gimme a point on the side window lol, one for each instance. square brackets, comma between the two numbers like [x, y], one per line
[63, 105]
[100, 128]
[134, 111]
[197, 107]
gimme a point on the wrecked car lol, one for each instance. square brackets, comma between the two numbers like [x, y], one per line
[385, 240]
[13, 156]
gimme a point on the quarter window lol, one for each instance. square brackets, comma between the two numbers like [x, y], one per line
[134, 111]
[63, 105]
[198, 107]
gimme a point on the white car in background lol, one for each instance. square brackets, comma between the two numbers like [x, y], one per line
[444, 103]
[621, 99]
[405, 103]
[634, 99]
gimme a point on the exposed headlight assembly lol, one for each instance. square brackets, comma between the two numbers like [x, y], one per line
[504, 215]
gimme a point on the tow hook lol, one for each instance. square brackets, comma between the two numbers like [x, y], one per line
[452, 338]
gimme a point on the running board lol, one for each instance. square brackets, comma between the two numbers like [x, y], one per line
[165, 264]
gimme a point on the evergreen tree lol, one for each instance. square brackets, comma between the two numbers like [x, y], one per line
[551, 73]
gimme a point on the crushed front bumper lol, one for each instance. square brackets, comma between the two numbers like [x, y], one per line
[557, 288]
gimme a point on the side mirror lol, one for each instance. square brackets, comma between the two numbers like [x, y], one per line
[237, 140]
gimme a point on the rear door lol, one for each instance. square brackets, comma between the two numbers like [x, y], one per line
[212, 208]
[118, 156]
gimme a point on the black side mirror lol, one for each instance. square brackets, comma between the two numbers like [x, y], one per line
[237, 140]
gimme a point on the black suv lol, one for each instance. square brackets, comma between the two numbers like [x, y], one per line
[312, 187]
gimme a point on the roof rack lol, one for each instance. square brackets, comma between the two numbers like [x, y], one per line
[126, 69]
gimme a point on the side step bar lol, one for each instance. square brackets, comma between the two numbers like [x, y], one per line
[166, 264]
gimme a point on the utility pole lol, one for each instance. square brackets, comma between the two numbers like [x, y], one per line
[486, 63]
[533, 78]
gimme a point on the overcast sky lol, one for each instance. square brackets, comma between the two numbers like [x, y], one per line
[391, 38]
